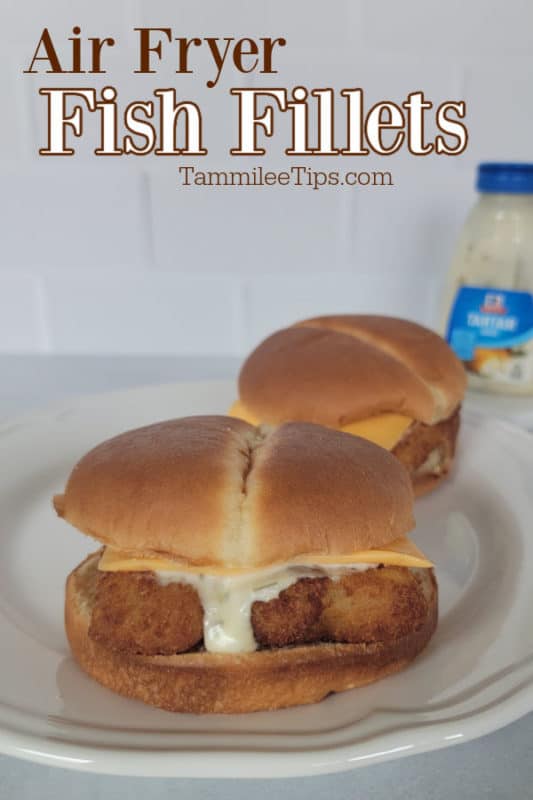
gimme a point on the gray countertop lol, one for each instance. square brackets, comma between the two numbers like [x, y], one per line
[499, 765]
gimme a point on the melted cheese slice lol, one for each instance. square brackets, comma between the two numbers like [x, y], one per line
[386, 429]
[400, 553]
[383, 429]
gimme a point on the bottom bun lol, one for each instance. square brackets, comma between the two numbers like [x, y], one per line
[200, 682]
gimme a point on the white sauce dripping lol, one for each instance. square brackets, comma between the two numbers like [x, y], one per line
[227, 601]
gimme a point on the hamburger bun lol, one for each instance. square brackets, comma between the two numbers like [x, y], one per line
[218, 496]
[216, 491]
[341, 370]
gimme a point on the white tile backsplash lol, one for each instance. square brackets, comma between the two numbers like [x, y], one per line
[57, 215]
[133, 313]
[500, 112]
[410, 230]
[25, 21]
[247, 230]
[15, 132]
[22, 326]
[337, 25]
[276, 301]
[489, 27]
[111, 255]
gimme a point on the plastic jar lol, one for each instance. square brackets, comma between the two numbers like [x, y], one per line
[488, 304]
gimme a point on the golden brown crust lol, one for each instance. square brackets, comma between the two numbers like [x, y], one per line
[134, 613]
[427, 451]
[374, 605]
[217, 491]
[338, 369]
[213, 683]
[292, 617]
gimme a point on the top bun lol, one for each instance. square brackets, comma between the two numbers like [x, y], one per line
[218, 491]
[339, 369]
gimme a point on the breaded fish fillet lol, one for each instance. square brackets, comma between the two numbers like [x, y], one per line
[134, 613]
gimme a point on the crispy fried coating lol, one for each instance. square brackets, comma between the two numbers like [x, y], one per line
[369, 606]
[374, 605]
[134, 613]
[292, 617]
[421, 440]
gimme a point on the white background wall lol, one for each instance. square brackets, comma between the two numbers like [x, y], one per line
[111, 256]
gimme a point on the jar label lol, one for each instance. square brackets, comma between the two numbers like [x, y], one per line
[491, 331]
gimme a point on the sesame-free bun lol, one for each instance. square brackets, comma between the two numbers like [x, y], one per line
[338, 369]
[216, 491]
[200, 682]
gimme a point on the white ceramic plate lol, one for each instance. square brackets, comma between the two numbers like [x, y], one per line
[515, 409]
[475, 676]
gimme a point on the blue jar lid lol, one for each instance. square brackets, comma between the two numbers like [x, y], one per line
[505, 178]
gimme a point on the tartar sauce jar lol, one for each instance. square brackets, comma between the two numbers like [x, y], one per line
[488, 304]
